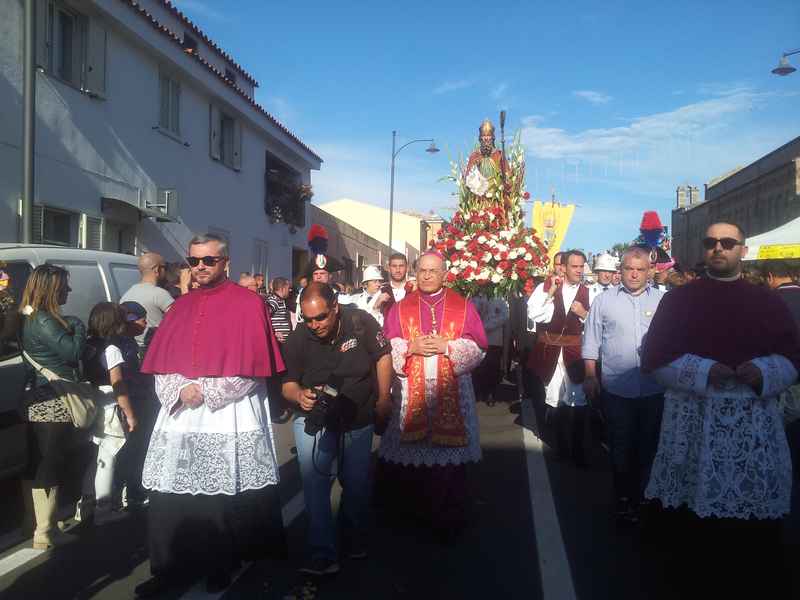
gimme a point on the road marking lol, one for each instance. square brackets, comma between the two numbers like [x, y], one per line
[553, 562]
[17, 559]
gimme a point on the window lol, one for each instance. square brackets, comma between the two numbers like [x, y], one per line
[170, 110]
[124, 276]
[88, 287]
[189, 44]
[18, 273]
[71, 46]
[283, 202]
[54, 226]
[225, 138]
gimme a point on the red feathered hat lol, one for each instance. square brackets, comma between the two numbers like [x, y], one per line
[650, 221]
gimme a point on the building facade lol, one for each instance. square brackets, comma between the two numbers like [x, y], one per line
[146, 134]
[759, 197]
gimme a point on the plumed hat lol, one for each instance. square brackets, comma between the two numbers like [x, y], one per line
[318, 250]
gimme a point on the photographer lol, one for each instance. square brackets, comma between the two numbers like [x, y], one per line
[338, 374]
[377, 296]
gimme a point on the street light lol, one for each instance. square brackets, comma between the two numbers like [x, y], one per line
[784, 68]
[432, 149]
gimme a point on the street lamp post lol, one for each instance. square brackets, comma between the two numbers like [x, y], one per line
[432, 149]
[784, 68]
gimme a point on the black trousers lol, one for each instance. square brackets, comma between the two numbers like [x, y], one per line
[571, 424]
[487, 376]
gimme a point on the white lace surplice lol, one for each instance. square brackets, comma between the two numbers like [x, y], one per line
[723, 452]
[465, 356]
[224, 446]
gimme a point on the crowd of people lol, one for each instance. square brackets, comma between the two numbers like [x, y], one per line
[691, 374]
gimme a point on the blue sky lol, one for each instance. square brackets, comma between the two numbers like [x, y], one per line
[618, 102]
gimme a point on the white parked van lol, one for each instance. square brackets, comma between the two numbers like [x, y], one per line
[94, 277]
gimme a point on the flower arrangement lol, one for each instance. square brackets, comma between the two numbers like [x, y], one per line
[488, 250]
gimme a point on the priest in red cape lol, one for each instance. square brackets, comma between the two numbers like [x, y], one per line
[725, 350]
[211, 466]
[437, 339]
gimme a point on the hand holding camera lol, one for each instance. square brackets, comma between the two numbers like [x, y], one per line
[306, 399]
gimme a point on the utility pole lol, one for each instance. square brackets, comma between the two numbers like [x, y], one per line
[28, 121]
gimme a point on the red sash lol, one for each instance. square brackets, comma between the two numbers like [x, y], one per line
[447, 428]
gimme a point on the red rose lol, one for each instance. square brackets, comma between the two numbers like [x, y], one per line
[451, 277]
[526, 195]
[521, 264]
[504, 265]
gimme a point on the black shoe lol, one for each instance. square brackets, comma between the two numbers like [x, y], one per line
[155, 586]
[218, 582]
[320, 566]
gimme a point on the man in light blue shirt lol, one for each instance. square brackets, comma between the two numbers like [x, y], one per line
[618, 321]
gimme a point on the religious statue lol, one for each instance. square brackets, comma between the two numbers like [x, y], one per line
[486, 164]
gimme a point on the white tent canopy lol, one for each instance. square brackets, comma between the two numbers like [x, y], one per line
[781, 242]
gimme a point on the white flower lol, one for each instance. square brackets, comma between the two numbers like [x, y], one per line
[492, 243]
[477, 183]
[486, 257]
[499, 270]
[460, 245]
[473, 264]
[502, 247]
[513, 254]
[454, 270]
[497, 256]
[514, 276]
[528, 256]
[491, 217]
[497, 278]
[482, 239]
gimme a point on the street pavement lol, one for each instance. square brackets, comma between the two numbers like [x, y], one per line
[540, 528]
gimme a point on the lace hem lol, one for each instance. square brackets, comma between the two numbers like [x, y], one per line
[209, 463]
[465, 355]
[723, 454]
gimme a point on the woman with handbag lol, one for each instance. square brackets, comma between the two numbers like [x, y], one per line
[103, 366]
[52, 347]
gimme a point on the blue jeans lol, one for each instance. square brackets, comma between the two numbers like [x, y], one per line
[634, 426]
[317, 477]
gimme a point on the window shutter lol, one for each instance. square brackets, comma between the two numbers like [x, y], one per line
[94, 233]
[96, 58]
[175, 106]
[163, 117]
[237, 145]
[43, 36]
[38, 224]
[213, 132]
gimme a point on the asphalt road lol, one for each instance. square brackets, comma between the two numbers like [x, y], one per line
[540, 528]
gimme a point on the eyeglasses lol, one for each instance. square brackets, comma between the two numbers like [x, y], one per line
[318, 318]
[710, 243]
[208, 261]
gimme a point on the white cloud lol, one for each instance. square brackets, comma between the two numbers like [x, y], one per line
[593, 96]
[453, 86]
[499, 91]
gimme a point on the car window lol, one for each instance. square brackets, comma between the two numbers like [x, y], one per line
[124, 276]
[87, 286]
[18, 273]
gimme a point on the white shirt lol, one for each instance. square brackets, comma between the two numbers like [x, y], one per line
[597, 289]
[366, 302]
[399, 292]
[541, 305]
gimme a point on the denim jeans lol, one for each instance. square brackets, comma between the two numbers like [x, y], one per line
[634, 426]
[317, 473]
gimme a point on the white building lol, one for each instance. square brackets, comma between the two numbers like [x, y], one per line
[139, 114]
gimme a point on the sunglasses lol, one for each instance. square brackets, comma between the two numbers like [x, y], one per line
[710, 243]
[208, 261]
[318, 318]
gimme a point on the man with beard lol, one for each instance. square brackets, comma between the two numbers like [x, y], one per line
[488, 161]
[398, 276]
[724, 349]
[211, 467]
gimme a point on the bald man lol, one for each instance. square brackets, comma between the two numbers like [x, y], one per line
[155, 299]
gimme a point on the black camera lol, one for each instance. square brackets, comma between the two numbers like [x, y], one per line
[326, 396]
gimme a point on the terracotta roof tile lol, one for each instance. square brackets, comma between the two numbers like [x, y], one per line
[178, 40]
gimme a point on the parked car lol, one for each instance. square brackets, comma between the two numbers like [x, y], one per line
[94, 277]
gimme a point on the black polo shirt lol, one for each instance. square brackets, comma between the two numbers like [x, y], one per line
[351, 356]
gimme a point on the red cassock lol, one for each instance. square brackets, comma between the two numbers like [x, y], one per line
[562, 332]
[221, 331]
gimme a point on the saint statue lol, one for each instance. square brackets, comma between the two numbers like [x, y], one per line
[486, 163]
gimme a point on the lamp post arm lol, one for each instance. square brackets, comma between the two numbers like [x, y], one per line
[408, 144]
[790, 52]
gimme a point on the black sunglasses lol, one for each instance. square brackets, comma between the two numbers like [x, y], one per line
[318, 318]
[727, 243]
[208, 261]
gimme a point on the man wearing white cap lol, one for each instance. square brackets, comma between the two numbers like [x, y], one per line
[604, 268]
[372, 299]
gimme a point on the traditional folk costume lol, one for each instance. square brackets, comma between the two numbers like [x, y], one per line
[212, 470]
[433, 432]
[722, 452]
[556, 360]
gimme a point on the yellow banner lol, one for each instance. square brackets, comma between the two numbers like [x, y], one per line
[779, 251]
[551, 221]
